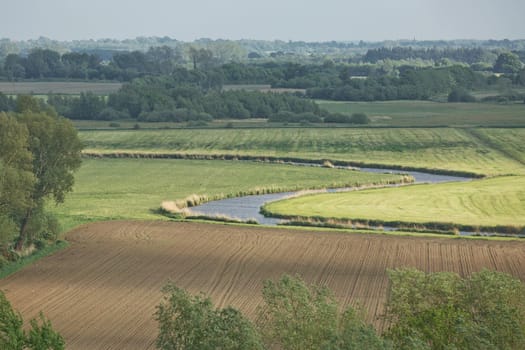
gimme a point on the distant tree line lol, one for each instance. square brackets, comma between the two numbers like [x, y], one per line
[160, 99]
[411, 84]
[227, 67]
[463, 54]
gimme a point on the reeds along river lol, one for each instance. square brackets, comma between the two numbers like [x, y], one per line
[248, 207]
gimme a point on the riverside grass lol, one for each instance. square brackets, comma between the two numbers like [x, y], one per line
[107, 189]
[450, 149]
[497, 202]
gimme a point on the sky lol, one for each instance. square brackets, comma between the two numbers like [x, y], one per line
[306, 20]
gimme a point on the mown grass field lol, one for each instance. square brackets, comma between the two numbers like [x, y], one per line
[58, 87]
[492, 202]
[453, 149]
[427, 113]
[108, 189]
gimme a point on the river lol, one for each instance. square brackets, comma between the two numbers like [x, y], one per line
[248, 207]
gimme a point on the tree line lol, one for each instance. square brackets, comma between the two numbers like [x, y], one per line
[469, 55]
[423, 312]
[161, 60]
[196, 98]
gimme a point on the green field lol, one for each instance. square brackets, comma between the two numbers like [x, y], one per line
[108, 189]
[491, 202]
[427, 113]
[58, 87]
[496, 151]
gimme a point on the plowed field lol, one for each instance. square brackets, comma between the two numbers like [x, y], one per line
[101, 292]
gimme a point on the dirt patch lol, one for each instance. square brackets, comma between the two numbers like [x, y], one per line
[101, 292]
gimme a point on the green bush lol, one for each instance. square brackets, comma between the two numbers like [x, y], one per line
[191, 322]
[359, 118]
[445, 311]
[460, 95]
[41, 335]
[297, 316]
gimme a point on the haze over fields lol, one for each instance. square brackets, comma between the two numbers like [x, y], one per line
[272, 19]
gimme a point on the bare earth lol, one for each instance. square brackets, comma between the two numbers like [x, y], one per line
[101, 292]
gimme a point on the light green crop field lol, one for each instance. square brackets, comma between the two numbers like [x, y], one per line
[134, 188]
[488, 202]
[427, 113]
[496, 151]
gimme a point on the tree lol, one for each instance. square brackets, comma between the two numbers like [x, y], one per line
[460, 95]
[201, 58]
[191, 322]
[13, 336]
[444, 311]
[298, 316]
[16, 178]
[507, 62]
[55, 148]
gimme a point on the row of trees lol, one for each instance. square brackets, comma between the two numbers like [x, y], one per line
[164, 60]
[161, 99]
[424, 312]
[39, 151]
[469, 55]
[411, 84]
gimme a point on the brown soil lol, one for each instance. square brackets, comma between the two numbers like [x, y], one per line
[101, 292]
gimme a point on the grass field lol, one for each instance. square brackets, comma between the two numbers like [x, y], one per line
[66, 88]
[101, 292]
[484, 203]
[134, 188]
[454, 149]
[426, 113]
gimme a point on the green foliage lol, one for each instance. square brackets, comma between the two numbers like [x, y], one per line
[359, 118]
[165, 99]
[55, 146]
[298, 316]
[16, 180]
[444, 311]
[38, 154]
[13, 336]
[191, 322]
[27, 103]
[460, 95]
[507, 62]
[42, 336]
[6, 103]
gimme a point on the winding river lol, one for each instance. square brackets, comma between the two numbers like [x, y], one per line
[247, 207]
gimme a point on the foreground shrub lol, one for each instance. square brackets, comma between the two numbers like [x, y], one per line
[298, 316]
[444, 311]
[191, 322]
[41, 335]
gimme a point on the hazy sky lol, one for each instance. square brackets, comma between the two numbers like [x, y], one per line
[306, 20]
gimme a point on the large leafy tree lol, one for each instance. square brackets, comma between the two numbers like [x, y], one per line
[56, 151]
[16, 177]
